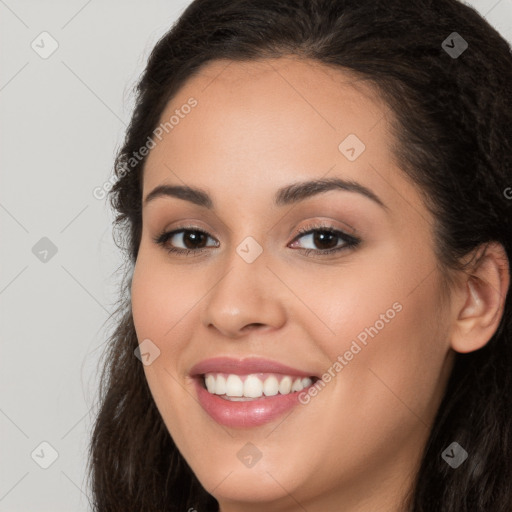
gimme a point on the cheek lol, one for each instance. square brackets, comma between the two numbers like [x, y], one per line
[160, 308]
[161, 301]
[389, 343]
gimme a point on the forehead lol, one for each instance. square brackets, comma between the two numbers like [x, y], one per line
[272, 120]
[269, 90]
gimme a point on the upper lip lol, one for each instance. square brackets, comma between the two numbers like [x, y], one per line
[245, 367]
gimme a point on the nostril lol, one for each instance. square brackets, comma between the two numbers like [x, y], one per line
[252, 326]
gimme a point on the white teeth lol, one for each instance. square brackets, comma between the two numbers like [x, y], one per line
[297, 385]
[210, 383]
[253, 387]
[306, 382]
[220, 385]
[285, 386]
[241, 388]
[271, 386]
[234, 386]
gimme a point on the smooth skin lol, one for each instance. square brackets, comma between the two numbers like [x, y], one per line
[259, 126]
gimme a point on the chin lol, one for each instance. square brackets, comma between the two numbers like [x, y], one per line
[249, 485]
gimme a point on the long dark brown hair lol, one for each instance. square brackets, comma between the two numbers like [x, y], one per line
[453, 135]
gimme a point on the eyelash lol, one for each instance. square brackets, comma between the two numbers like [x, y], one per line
[350, 241]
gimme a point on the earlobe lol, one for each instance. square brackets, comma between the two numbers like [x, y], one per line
[484, 294]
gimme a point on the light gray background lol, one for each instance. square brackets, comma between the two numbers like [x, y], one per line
[62, 119]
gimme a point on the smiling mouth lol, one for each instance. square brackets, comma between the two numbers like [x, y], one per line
[254, 386]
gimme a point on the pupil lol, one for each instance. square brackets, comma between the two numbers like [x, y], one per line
[194, 235]
[319, 239]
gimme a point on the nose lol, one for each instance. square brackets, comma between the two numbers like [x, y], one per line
[245, 297]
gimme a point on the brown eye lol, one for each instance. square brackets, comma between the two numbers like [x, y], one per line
[192, 240]
[325, 240]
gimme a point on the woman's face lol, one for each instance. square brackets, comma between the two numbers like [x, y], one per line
[362, 328]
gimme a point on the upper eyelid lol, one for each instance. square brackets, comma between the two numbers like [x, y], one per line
[325, 223]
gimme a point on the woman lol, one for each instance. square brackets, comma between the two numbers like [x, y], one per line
[313, 198]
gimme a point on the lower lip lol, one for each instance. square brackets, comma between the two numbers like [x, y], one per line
[248, 414]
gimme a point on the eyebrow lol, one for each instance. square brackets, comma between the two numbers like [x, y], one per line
[287, 195]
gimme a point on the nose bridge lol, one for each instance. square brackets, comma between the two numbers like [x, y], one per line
[244, 295]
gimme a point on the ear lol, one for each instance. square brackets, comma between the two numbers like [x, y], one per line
[482, 293]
